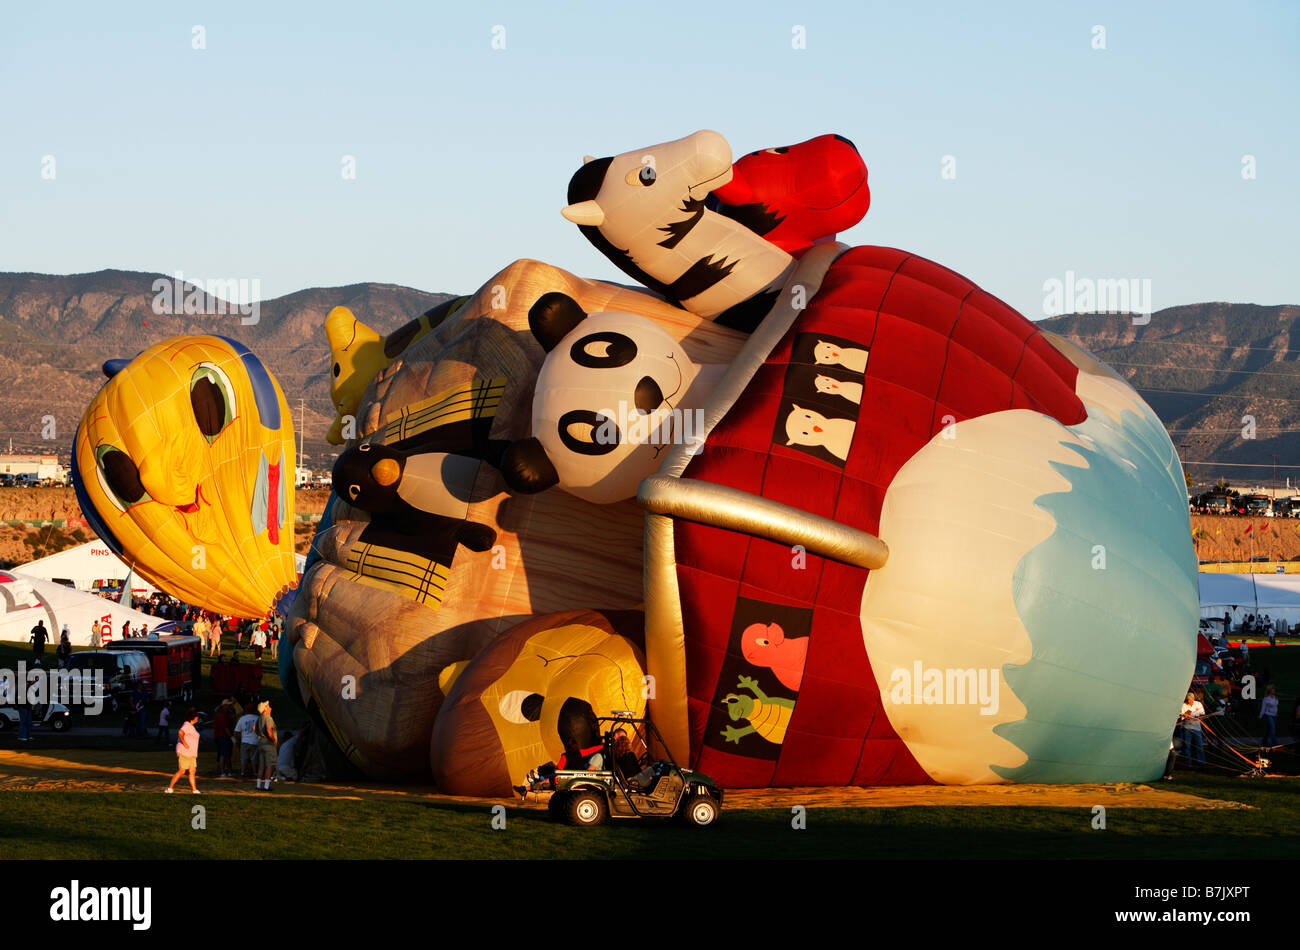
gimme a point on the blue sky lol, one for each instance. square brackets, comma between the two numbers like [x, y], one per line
[225, 162]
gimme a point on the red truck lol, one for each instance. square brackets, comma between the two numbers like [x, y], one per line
[176, 662]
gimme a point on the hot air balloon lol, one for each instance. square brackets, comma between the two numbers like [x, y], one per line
[183, 465]
[911, 538]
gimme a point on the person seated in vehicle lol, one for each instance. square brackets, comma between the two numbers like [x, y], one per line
[625, 760]
[576, 759]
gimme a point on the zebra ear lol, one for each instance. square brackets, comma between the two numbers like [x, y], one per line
[552, 317]
[527, 468]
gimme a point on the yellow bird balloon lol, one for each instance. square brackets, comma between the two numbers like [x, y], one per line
[183, 466]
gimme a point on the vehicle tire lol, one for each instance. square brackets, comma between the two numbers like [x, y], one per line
[59, 723]
[587, 809]
[699, 811]
[556, 806]
[5, 724]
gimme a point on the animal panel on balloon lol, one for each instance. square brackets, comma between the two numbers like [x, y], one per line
[614, 392]
[426, 556]
[534, 692]
[645, 210]
[358, 354]
[796, 196]
[181, 465]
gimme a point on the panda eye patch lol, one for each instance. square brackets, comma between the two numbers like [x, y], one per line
[648, 396]
[588, 433]
[606, 350]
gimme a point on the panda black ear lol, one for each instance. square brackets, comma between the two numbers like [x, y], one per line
[552, 317]
[527, 468]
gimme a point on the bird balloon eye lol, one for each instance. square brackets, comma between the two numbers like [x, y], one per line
[354, 491]
[119, 478]
[647, 176]
[213, 400]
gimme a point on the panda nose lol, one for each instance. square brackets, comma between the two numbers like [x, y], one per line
[649, 396]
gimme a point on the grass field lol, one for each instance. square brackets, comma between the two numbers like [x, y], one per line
[85, 826]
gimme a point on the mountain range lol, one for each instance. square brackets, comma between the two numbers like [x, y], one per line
[1208, 370]
[56, 332]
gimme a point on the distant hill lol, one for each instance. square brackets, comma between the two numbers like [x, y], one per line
[56, 331]
[1203, 368]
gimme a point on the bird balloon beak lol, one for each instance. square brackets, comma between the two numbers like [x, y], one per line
[585, 213]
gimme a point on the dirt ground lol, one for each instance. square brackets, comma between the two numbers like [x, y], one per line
[101, 771]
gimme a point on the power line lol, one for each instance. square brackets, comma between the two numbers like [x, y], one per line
[1206, 369]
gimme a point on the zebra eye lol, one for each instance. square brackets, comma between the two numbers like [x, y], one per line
[777, 151]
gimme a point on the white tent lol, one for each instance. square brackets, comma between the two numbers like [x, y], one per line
[83, 566]
[25, 600]
[1277, 595]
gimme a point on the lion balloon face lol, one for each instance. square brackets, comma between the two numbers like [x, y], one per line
[181, 464]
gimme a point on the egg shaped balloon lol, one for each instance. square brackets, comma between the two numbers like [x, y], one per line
[183, 465]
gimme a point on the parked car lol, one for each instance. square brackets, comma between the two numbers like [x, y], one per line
[1286, 507]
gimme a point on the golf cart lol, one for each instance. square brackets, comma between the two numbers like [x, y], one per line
[54, 715]
[656, 789]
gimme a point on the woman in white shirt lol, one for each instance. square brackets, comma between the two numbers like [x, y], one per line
[1191, 714]
[1268, 712]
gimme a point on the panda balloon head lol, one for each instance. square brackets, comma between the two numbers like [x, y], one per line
[614, 391]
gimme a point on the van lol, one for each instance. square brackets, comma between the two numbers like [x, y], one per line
[121, 671]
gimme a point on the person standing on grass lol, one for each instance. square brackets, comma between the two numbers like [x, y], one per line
[65, 648]
[23, 705]
[96, 636]
[1191, 714]
[247, 729]
[266, 741]
[164, 717]
[187, 750]
[222, 724]
[1268, 713]
[38, 638]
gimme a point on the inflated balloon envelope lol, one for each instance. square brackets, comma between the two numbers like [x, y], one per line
[923, 541]
[182, 464]
[395, 599]
[919, 543]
